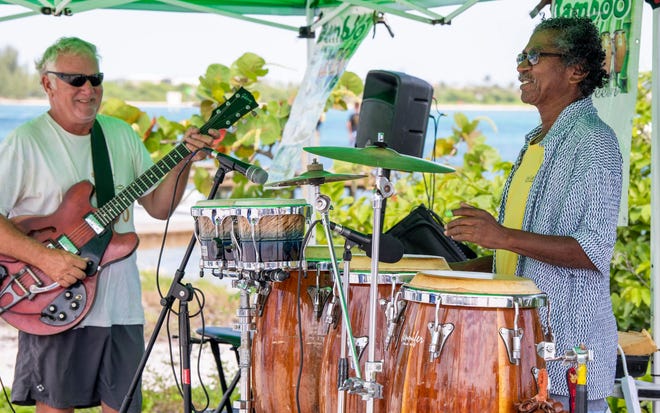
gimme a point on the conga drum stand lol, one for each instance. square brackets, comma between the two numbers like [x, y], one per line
[245, 326]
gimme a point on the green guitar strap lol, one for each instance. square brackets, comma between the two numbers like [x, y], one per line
[105, 187]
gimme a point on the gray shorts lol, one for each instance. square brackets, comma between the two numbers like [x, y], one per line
[79, 367]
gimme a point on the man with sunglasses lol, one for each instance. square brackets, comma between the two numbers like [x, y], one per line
[558, 214]
[94, 363]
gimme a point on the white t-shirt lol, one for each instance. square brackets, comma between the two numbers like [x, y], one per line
[40, 161]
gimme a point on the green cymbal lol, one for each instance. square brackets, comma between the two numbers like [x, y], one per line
[315, 175]
[380, 157]
[315, 178]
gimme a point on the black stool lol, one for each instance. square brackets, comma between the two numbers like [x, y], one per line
[216, 336]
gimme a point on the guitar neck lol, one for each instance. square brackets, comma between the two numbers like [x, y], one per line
[113, 208]
[225, 115]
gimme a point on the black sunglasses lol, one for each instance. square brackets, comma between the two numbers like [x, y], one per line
[77, 80]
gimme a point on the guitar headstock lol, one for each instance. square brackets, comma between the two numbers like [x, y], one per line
[230, 111]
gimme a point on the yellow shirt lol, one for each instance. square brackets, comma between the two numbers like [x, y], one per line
[506, 261]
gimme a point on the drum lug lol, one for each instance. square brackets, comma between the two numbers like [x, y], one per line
[263, 291]
[439, 335]
[319, 297]
[393, 314]
[331, 314]
[512, 339]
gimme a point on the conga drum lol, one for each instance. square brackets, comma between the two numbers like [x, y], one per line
[390, 278]
[606, 43]
[620, 50]
[467, 343]
[281, 377]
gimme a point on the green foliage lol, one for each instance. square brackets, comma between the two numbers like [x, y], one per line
[15, 80]
[631, 265]
[252, 138]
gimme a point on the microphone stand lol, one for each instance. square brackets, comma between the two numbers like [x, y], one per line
[184, 293]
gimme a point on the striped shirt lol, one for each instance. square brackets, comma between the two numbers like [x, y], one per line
[576, 193]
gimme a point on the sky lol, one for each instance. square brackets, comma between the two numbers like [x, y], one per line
[479, 47]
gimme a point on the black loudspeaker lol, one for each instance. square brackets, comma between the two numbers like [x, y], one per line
[398, 105]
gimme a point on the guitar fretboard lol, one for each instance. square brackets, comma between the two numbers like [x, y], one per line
[113, 208]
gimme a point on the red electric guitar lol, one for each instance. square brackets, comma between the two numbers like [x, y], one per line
[29, 299]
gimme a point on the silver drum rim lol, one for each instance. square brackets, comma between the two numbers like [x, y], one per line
[474, 299]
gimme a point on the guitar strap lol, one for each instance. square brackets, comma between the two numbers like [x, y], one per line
[105, 187]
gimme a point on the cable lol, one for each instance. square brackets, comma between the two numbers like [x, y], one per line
[201, 302]
[4, 390]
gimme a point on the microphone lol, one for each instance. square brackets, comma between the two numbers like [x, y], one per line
[390, 249]
[251, 172]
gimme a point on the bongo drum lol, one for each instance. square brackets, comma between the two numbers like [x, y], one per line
[467, 343]
[276, 359]
[390, 279]
[250, 234]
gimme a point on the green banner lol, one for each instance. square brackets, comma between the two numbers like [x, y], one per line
[336, 44]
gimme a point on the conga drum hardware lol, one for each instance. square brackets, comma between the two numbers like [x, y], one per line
[262, 291]
[332, 314]
[319, 296]
[394, 309]
[513, 337]
[439, 334]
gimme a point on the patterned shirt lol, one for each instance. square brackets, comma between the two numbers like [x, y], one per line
[576, 193]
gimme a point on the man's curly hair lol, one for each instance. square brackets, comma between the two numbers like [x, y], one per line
[577, 38]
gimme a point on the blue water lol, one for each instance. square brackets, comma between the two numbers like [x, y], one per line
[505, 135]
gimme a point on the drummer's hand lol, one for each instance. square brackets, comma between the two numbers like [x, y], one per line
[194, 140]
[477, 226]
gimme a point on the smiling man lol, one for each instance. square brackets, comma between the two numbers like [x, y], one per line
[93, 363]
[558, 214]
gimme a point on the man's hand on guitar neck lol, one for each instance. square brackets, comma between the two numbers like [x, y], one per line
[195, 140]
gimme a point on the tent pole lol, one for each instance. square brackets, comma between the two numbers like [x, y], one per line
[655, 192]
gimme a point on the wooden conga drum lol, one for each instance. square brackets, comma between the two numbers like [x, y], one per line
[276, 345]
[456, 350]
[390, 278]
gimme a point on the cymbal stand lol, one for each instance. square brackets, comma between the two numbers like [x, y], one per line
[184, 293]
[322, 205]
[371, 389]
